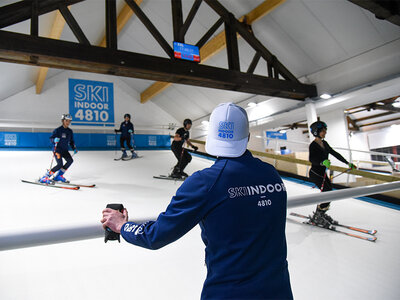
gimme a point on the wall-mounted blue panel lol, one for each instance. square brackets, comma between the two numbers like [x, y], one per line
[93, 141]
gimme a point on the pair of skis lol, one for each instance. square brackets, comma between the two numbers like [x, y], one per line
[126, 158]
[371, 238]
[61, 185]
[169, 177]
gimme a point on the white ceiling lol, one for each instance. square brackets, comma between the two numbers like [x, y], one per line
[331, 43]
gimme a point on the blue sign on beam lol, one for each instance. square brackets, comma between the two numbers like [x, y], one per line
[186, 51]
[276, 135]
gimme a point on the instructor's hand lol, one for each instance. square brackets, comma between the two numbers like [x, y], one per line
[113, 219]
[56, 140]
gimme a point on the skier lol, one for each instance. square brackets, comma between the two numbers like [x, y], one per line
[319, 150]
[183, 156]
[61, 138]
[126, 129]
[240, 205]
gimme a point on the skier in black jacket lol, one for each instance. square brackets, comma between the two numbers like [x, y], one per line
[319, 151]
[126, 129]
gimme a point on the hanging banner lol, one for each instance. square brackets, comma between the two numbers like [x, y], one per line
[276, 135]
[91, 102]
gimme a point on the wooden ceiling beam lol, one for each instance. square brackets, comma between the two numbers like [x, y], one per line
[57, 28]
[55, 33]
[380, 122]
[38, 51]
[374, 116]
[215, 45]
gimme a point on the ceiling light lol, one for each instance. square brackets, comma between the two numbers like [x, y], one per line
[396, 104]
[204, 122]
[325, 96]
[282, 131]
[251, 104]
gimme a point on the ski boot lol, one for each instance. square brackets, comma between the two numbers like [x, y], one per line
[124, 155]
[46, 178]
[59, 177]
[183, 174]
[319, 218]
[134, 154]
[176, 173]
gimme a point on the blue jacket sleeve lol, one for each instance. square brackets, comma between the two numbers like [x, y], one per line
[185, 211]
[54, 135]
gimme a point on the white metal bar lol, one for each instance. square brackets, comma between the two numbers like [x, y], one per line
[46, 236]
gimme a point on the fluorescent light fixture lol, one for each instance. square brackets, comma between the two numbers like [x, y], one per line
[251, 104]
[282, 131]
[325, 96]
[396, 104]
[204, 122]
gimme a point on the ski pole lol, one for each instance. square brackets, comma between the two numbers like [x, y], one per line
[323, 182]
[341, 173]
[54, 153]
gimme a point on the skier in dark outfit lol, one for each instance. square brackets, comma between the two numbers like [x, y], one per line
[126, 129]
[62, 137]
[319, 150]
[181, 154]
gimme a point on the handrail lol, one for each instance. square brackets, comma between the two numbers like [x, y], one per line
[381, 177]
[46, 236]
[339, 148]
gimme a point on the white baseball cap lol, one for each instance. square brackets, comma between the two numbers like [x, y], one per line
[228, 131]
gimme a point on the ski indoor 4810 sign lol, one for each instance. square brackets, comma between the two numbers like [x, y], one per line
[91, 102]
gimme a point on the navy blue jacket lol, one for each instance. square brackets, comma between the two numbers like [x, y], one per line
[240, 204]
[66, 137]
[124, 129]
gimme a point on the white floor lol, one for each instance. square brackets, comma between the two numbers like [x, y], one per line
[323, 264]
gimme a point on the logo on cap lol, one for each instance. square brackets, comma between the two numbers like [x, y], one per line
[225, 130]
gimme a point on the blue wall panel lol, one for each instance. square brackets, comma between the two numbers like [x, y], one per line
[92, 141]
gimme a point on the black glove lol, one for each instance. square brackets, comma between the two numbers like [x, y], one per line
[195, 148]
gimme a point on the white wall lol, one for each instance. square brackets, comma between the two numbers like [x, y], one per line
[27, 109]
[386, 137]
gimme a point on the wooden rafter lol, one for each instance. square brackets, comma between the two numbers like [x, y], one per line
[380, 122]
[55, 33]
[57, 28]
[38, 51]
[353, 123]
[215, 45]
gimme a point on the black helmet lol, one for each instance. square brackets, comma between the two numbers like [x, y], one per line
[127, 115]
[66, 117]
[316, 128]
[187, 121]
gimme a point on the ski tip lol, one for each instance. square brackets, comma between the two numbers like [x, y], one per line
[372, 239]
[373, 232]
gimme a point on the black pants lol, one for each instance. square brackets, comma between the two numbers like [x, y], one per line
[318, 179]
[126, 139]
[59, 156]
[182, 155]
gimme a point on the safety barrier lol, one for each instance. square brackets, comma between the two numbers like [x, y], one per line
[38, 237]
[381, 177]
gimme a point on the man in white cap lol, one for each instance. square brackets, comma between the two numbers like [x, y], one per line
[240, 205]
